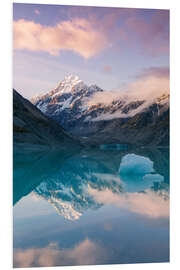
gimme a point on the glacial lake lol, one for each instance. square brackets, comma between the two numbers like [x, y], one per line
[99, 206]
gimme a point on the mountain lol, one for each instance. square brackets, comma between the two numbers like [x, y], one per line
[65, 103]
[150, 127]
[123, 120]
[34, 130]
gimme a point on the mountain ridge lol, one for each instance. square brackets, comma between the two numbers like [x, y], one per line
[73, 108]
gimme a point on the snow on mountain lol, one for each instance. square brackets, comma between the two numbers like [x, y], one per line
[69, 101]
[78, 106]
[68, 97]
[130, 109]
[68, 84]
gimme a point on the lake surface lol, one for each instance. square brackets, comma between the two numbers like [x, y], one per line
[101, 206]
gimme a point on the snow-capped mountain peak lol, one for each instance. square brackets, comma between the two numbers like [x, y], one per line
[67, 85]
[72, 78]
[67, 95]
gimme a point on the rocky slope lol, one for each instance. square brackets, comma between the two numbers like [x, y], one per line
[31, 128]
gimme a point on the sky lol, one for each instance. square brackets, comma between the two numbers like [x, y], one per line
[110, 47]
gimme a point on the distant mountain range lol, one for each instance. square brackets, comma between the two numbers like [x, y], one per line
[34, 130]
[122, 120]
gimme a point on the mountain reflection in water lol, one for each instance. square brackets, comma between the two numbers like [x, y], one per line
[88, 190]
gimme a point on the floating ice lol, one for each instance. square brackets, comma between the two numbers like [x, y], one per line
[137, 173]
[134, 164]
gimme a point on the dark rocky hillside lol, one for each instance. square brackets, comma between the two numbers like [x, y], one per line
[31, 128]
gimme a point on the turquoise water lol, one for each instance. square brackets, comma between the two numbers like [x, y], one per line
[101, 206]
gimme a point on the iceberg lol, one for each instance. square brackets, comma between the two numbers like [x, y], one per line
[137, 173]
[135, 164]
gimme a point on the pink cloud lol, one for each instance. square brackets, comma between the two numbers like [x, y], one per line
[36, 11]
[77, 35]
[88, 37]
[107, 69]
[150, 203]
[86, 252]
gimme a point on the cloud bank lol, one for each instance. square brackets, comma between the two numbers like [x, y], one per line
[77, 35]
[151, 84]
[36, 11]
[148, 203]
[102, 28]
[86, 252]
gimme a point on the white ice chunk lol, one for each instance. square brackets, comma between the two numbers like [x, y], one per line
[135, 164]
